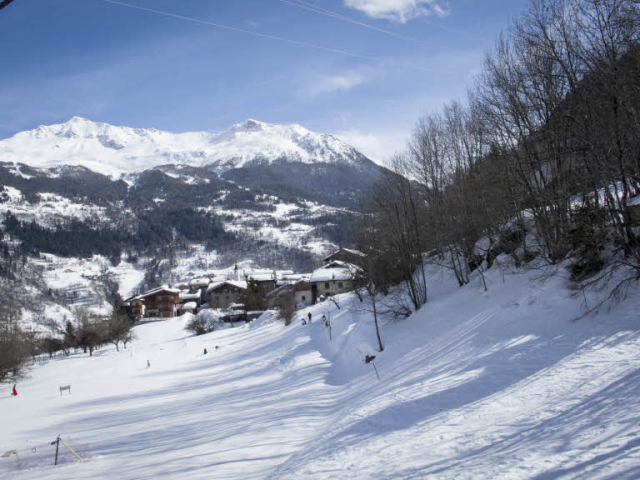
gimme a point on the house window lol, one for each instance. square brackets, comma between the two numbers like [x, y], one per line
[339, 284]
[326, 286]
[304, 298]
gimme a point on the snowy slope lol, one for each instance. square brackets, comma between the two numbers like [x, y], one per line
[497, 384]
[114, 150]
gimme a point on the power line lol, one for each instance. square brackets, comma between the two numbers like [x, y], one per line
[248, 32]
[329, 13]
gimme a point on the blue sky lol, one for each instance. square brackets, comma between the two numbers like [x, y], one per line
[113, 63]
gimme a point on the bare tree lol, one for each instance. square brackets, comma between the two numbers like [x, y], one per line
[118, 328]
[5, 3]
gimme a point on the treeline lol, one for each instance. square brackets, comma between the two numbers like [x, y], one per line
[143, 234]
[19, 348]
[542, 160]
[69, 239]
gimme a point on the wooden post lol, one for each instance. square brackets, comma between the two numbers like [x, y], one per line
[57, 442]
[374, 367]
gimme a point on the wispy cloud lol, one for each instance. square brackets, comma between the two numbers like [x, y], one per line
[400, 10]
[379, 148]
[323, 84]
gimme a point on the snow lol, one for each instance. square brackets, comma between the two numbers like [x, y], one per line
[13, 195]
[262, 277]
[327, 273]
[236, 283]
[50, 209]
[163, 288]
[189, 306]
[297, 231]
[508, 383]
[191, 296]
[128, 277]
[113, 150]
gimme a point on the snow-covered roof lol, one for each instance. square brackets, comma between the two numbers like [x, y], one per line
[283, 273]
[296, 277]
[280, 290]
[200, 281]
[347, 250]
[191, 296]
[163, 288]
[262, 277]
[328, 274]
[236, 283]
[341, 264]
[189, 306]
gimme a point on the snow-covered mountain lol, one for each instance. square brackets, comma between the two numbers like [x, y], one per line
[114, 150]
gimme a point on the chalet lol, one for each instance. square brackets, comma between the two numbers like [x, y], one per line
[335, 277]
[266, 281]
[133, 307]
[298, 294]
[199, 285]
[345, 255]
[223, 294]
[161, 302]
[302, 292]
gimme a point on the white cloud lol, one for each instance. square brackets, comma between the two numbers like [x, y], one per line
[379, 148]
[321, 84]
[400, 10]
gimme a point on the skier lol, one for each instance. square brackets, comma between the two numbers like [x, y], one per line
[14, 392]
[205, 351]
[148, 364]
[309, 317]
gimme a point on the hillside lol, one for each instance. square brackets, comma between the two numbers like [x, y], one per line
[507, 383]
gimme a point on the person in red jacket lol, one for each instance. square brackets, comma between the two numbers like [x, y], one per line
[15, 392]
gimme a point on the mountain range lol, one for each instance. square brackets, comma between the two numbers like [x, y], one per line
[114, 151]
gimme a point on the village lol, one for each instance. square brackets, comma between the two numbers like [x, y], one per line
[243, 295]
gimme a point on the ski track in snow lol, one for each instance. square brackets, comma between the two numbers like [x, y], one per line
[497, 384]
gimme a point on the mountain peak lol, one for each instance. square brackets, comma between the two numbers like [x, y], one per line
[76, 119]
[250, 125]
